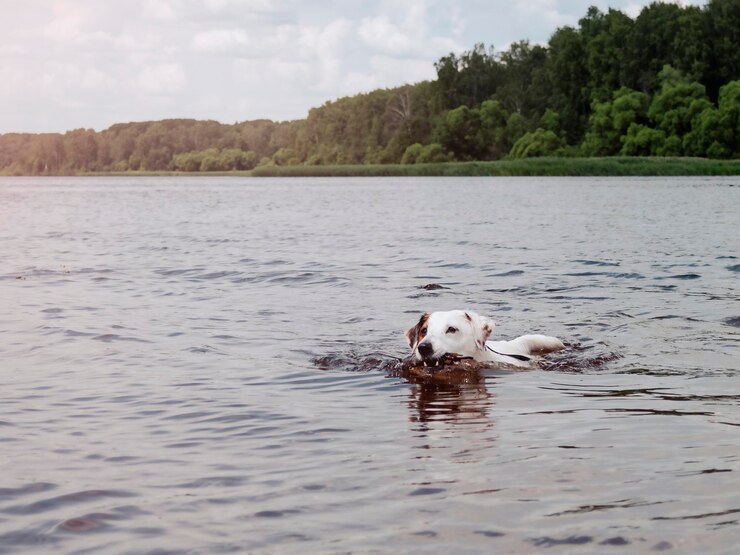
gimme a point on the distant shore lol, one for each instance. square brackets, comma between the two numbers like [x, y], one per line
[550, 166]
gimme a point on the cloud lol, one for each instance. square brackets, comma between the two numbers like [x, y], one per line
[220, 40]
[380, 34]
[161, 79]
[159, 9]
[87, 63]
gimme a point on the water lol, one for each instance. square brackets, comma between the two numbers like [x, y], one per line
[200, 365]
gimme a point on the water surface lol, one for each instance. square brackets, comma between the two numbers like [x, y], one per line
[160, 389]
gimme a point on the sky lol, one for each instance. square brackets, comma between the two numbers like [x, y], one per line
[67, 64]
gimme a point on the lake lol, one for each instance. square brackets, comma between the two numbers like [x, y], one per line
[201, 365]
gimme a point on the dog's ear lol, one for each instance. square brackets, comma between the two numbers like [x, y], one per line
[413, 334]
[482, 328]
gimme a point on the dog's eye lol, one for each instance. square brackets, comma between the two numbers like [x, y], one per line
[451, 330]
[423, 332]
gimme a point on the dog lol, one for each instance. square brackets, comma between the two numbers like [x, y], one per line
[441, 338]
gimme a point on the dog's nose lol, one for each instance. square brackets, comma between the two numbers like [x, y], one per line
[425, 349]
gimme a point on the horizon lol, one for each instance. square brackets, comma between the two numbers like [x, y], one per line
[85, 65]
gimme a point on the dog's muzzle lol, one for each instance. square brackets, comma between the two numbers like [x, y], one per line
[425, 350]
[426, 354]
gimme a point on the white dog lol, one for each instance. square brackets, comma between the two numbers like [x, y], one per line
[458, 334]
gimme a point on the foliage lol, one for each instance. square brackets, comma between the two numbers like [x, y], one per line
[610, 166]
[539, 142]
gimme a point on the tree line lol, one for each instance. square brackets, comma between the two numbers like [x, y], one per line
[666, 83]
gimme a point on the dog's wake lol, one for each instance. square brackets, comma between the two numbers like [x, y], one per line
[575, 358]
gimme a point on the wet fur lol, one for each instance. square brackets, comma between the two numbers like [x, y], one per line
[465, 334]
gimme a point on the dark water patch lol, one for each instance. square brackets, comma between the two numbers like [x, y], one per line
[426, 491]
[688, 276]
[596, 262]
[35, 487]
[510, 273]
[217, 275]
[75, 333]
[111, 337]
[178, 271]
[426, 534]
[698, 516]
[547, 541]
[674, 317]
[489, 533]
[615, 541]
[53, 503]
[616, 275]
[658, 412]
[733, 321]
[450, 265]
[122, 459]
[204, 349]
[276, 514]
[621, 504]
[214, 482]
[34, 539]
[706, 471]
[734, 268]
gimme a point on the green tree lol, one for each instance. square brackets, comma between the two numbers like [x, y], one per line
[460, 133]
[569, 76]
[610, 121]
[641, 140]
[539, 142]
[674, 108]
[432, 153]
[411, 154]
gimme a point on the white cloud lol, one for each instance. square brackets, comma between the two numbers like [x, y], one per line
[159, 9]
[220, 40]
[380, 34]
[161, 79]
[87, 63]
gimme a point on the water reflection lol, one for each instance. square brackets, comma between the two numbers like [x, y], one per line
[444, 401]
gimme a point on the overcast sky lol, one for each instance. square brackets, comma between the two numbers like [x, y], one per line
[66, 64]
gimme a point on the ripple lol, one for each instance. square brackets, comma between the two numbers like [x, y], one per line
[53, 503]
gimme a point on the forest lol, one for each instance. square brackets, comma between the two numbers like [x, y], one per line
[666, 83]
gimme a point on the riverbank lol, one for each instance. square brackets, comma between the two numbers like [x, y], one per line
[608, 166]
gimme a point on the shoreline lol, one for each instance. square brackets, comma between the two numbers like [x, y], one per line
[532, 167]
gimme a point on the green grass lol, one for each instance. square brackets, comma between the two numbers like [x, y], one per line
[606, 166]
[617, 166]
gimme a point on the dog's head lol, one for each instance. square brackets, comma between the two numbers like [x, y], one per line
[455, 333]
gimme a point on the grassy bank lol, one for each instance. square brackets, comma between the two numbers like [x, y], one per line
[607, 166]
[625, 166]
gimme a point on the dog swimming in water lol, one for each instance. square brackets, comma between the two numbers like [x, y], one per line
[443, 338]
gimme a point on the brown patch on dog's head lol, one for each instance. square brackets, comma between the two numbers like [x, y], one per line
[415, 334]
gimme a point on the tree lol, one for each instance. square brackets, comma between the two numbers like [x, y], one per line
[468, 79]
[603, 42]
[539, 142]
[460, 133]
[641, 140]
[674, 108]
[411, 154]
[569, 77]
[610, 121]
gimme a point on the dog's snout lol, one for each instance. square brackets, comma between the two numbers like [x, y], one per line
[425, 348]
